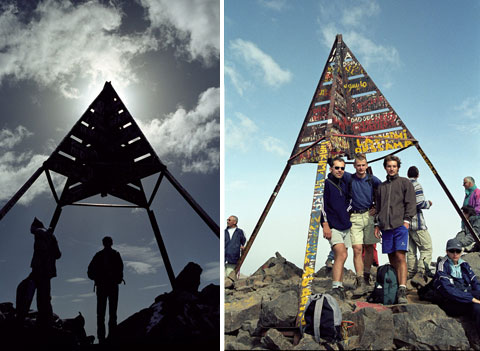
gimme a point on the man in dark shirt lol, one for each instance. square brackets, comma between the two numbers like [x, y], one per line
[106, 269]
[335, 222]
[395, 206]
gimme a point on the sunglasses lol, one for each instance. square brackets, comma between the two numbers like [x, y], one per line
[455, 251]
[337, 168]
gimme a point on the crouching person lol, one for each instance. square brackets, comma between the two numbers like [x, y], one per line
[456, 286]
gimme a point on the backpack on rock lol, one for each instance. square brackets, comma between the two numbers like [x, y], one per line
[323, 318]
[386, 286]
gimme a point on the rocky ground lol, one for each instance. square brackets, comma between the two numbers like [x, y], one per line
[260, 311]
[182, 319]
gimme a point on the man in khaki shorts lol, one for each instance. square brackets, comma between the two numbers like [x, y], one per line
[335, 222]
[361, 188]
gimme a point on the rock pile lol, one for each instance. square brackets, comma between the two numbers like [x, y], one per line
[181, 319]
[261, 308]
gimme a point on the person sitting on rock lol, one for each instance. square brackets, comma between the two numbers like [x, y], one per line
[464, 236]
[456, 285]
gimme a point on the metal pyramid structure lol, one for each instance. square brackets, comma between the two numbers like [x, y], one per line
[106, 153]
[347, 107]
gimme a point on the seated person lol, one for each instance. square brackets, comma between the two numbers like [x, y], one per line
[456, 287]
[464, 236]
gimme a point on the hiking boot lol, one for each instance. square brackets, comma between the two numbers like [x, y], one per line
[369, 283]
[402, 295]
[361, 288]
[419, 280]
[338, 293]
[329, 263]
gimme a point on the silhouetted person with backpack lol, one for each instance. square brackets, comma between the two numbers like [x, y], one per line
[45, 253]
[106, 269]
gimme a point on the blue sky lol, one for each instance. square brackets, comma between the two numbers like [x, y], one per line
[163, 60]
[422, 55]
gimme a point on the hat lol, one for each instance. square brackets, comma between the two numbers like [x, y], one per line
[454, 244]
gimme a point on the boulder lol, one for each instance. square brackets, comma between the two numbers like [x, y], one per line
[238, 311]
[280, 311]
[274, 340]
[188, 279]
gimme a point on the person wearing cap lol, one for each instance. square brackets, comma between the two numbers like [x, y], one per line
[464, 236]
[456, 285]
[45, 253]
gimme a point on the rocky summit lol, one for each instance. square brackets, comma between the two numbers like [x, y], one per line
[260, 313]
[182, 319]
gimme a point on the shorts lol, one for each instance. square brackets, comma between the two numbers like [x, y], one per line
[340, 237]
[362, 230]
[395, 240]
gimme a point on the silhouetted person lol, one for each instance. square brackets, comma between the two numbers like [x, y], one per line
[106, 269]
[45, 253]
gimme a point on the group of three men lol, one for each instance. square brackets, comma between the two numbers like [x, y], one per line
[359, 210]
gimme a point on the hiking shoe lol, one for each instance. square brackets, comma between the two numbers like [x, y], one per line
[419, 280]
[402, 295]
[338, 293]
[329, 263]
[361, 288]
[369, 283]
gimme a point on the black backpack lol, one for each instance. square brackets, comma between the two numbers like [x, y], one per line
[323, 318]
[386, 286]
[106, 267]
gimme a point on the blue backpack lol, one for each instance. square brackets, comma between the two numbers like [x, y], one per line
[386, 286]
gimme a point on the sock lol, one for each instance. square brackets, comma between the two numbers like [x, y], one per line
[402, 285]
[337, 284]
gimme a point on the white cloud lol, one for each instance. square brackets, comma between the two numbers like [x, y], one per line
[470, 109]
[211, 272]
[76, 280]
[86, 295]
[195, 22]
[260, 62]
[9, 138]
[237, 80]
[154, 286]
[140, 259]
[274, 145]
[239, 132]
[276, 5]
[192, 137]
[141, 267]
[63, 42]
[356, 15]
[354, 23]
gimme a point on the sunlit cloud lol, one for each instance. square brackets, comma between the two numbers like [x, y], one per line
[154, 286]
[237, 80]
[195, 22]
[42, 49]
[260, 62]
[192, 137]
[77, 280]
[140, 259]
[10, 138]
